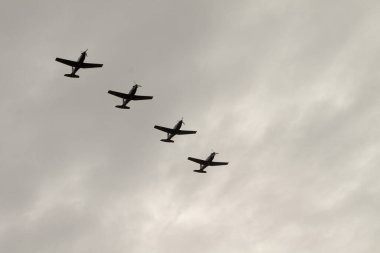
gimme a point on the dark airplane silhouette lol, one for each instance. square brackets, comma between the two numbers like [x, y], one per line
[174, 131]
[76, 65]
[128, 97]
[208, 162]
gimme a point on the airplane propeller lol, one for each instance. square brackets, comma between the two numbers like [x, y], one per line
[85, 52]
[137, 85]
[183, 122]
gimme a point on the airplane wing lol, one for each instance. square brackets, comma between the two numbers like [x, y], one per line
[67, 62]
[135, 97]
[197, 160]
[119, 94]
[165, 129]
[180, 132]
[90, 65]
[217, 163]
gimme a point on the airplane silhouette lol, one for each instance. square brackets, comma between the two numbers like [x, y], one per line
[174, 131]
[128, 97]
[79, 64]
[205, 163]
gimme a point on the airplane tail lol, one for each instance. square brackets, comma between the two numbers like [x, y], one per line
[122, 107]
[200, 171]
[72, 75]
[166, 140]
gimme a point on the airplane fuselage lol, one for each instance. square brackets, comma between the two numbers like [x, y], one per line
[176, 128]
[81, 59]
[132, 92]
[208, 160]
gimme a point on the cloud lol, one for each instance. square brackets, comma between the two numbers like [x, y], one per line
[286, 92]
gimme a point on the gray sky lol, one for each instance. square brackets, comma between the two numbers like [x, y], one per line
[286, 91]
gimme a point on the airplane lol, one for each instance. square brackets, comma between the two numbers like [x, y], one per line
[128, 97]
[76, 65]
[174, 131]
[208, 162]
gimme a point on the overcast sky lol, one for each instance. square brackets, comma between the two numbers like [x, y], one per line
[286, 91]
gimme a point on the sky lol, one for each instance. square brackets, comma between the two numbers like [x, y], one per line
[286, 91]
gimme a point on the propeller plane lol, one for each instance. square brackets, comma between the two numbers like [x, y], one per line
[129, 96]
[176, 130]
[205, 163]
[79, 64]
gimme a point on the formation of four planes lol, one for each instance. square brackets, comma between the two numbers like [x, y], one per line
[127, 97]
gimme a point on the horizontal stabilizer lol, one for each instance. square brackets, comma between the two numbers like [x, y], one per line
[122, 107]
[200, 171]
[72, 75]
[166, 140]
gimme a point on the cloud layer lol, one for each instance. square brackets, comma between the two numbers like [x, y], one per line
[286, 91]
